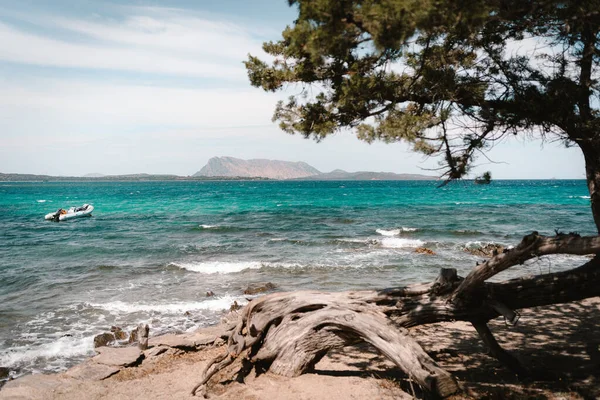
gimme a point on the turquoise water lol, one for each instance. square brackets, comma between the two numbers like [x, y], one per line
[153, 249]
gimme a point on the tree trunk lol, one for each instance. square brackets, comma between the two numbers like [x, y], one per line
[288, 333]
[591, 154]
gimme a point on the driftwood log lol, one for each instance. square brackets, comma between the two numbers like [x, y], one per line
[288, 333]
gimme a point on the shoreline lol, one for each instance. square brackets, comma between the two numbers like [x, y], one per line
[561, 343]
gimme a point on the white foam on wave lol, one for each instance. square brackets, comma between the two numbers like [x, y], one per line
[58, 350]
[397, 243]
[223, 267]
[179, 308]
[579, 197]
[477, 244]
[394, 232]
[204, 226]
[41, 201]
[349, 240]
[219, 267]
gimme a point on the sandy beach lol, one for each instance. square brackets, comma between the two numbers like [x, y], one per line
[560, 344]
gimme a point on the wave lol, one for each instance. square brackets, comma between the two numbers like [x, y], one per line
[57, 350]
[223, 267]
[395, 232]
[465, 232]
[219, 267]
[580, 197]
[218, 228]
[352, 240]
[397, 243]
[388, 241]
[41, 201]
[55, 353]
[212, 304]
[392, 232]
[479, 244]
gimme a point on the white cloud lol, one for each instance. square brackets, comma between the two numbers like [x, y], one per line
[149, 40]
[194, 36]
[130, 105]
[20, 47]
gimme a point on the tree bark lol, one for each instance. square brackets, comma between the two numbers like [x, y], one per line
[591, 153]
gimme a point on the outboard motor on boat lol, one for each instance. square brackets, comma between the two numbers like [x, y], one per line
[57, 215]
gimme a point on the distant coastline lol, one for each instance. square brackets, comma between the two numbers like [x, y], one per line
[358, 176]
[232, 169]
[120, 178]
[235, 169]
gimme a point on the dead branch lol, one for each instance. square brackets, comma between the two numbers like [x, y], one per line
[531, 246]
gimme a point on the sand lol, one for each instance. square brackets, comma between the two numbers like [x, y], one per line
[560, 343]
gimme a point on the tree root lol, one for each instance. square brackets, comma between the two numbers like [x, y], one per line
[291, 332]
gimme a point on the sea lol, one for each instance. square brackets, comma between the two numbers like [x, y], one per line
[152, 250]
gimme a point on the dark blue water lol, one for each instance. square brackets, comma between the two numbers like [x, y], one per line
[153, 249]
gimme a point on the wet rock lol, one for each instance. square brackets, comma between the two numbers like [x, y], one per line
[259, 288]
[91, 371]
[488, 250]
[133, 336]
[119, 333]
[104, 339]
[118, 356]
[235, 306]
[424, 250]
[210, 293]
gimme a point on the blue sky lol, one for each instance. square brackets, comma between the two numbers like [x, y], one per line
[159, 87]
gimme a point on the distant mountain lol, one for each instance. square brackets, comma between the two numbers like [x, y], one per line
[272, 169]
[341, 175]
[94, 175]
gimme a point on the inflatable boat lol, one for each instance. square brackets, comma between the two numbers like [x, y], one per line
[73, 212]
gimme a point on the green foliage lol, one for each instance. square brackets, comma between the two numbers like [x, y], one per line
[450, 77]
[484, 179]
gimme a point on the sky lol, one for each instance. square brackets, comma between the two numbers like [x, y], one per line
[158, 86]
